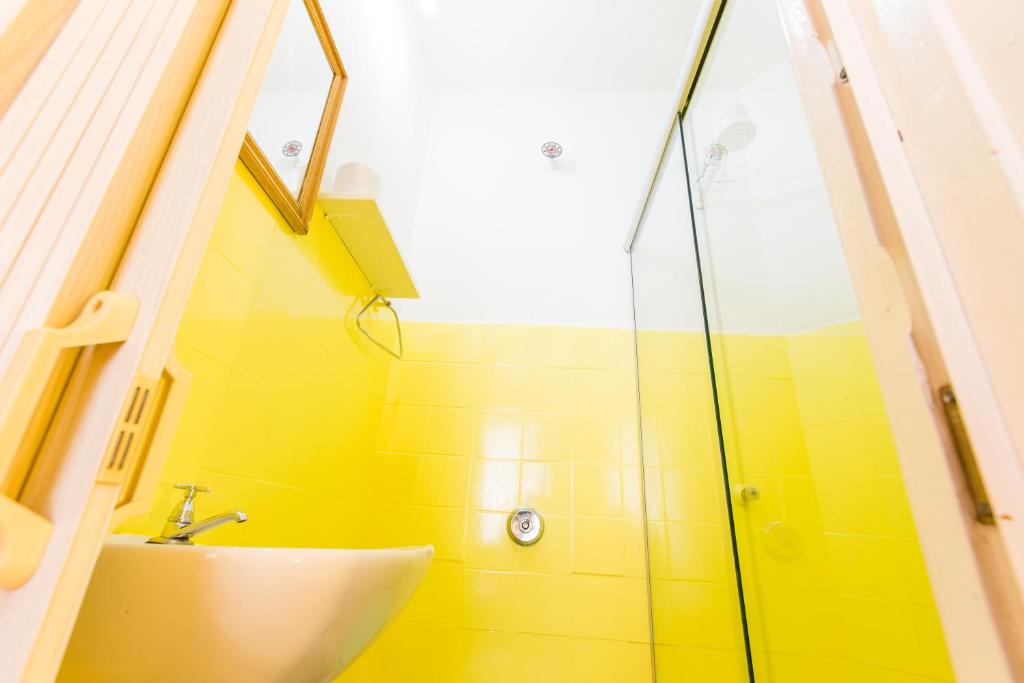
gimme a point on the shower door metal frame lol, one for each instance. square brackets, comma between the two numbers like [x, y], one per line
[719, 434]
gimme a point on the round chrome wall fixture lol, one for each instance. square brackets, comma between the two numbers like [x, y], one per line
[525, 526]
[551, 149]
[291, 148]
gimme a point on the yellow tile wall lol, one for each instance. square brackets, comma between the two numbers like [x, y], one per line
[478, 420]
[697, 630]
[831, 567]
[867, 554]
[286, 394]
[296, 419]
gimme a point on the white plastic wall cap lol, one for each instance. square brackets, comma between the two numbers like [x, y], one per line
[356, 181]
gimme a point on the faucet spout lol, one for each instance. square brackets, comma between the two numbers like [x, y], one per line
[183, 535]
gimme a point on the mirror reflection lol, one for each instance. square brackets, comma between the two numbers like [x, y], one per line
[291, 102]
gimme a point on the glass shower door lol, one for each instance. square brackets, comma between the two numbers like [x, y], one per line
[777, 450]
[697, 616]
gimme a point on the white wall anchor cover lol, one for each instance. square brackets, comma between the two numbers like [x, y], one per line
[356, 181]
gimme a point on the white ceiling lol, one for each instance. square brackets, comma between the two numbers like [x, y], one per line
[603, 45]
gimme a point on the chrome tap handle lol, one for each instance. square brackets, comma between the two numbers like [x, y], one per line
[184, 512]
[192, 489]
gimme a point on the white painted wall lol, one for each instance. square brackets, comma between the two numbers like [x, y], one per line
[505, 235]
[388, 105]
[663, 257]
[451, 110]
[773, 262]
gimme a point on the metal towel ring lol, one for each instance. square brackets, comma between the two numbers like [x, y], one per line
[398, 325]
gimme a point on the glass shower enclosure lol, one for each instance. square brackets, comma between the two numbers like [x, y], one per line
[781, 544]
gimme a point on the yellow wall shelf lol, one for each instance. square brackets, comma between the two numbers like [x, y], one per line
[361, 226]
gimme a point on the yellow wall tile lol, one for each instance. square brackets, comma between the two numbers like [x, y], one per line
[632, 493]
[411, 383]
[502, 386]
[546, 486]
[790, 451]
[685, 442]
[838, 449]
[459, 386]
[209, 380]
[403, 429]
[487, 545]
[598, 546]
[793, 669]
[500, 434]
[486, 656]
[439, 598]
[595, 439]
[596, 490]
[696, 614]
[549, 609]
[609, 607]
[444, 481]
[550, 658]
[494, 485]
[635, 548]
[604, 661]
[490, 600]
[678, 663]
[452, 431]
[503, 344]
[396, 478]
[691, 495]
[214, 322]
[696, 551]
[392, 525]
[546, 436]
[791, 612]
[444, 528]
[553, 554]
[897, 636]
[852, 505]
[865, 673]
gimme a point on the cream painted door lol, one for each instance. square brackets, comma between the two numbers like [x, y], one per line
[116, 146]
[919, 129]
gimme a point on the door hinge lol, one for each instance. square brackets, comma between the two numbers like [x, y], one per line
[972, 474]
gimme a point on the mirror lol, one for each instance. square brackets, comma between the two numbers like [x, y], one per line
[293, 120]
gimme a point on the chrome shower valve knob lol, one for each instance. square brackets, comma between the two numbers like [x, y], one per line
[525, 526]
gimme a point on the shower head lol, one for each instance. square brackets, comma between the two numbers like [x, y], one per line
[735, 129]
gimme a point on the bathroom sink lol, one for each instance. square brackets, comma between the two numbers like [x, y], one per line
[224, 613]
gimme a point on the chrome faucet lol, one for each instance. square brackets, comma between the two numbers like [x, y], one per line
[180, 529]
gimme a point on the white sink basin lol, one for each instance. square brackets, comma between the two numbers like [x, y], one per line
[232, 614]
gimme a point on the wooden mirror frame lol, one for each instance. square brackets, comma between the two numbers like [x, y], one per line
[298, 211]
